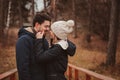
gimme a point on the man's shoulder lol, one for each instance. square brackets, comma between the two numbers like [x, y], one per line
[25, 37]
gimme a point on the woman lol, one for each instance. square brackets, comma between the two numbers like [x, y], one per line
[56, 57]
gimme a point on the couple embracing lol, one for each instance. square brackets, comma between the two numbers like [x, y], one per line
[35, 59]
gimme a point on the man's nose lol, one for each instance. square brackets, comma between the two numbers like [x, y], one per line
[47, 28]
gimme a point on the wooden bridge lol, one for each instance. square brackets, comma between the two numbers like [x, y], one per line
[72, 73]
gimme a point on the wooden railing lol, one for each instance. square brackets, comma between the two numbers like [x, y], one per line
[72, 74]
[88, 75]
[9, 74]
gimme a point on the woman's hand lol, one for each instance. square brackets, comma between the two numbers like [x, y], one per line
[40, 34]
[53, 38]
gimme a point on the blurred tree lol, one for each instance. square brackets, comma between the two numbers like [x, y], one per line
[53, 9]
[17, 9]
[3, 19]
[94, 15]
[20, 13]
[113, 33]
[22, 7]
[74, 17]
[33, 11]
[45, 6]
[90, 4]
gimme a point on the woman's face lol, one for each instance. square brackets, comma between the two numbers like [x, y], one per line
[53, 36]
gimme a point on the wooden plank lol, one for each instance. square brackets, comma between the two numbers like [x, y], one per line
[7, 74]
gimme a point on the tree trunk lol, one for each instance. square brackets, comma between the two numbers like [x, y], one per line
[1, 20]
[54, 11]
[33, 8]
[45, 7]
[88, 35]
[1, 14]
[6, 21]
[8, 15]
[20, 14]
[113, 33]
[74, 14]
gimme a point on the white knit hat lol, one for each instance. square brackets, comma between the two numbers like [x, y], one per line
[62, 28]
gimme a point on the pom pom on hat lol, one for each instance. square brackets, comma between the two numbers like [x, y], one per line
[62, 28]
[70, 23]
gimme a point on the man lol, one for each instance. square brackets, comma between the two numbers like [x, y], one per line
[28, 67]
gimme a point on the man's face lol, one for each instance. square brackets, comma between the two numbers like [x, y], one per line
[45, 26]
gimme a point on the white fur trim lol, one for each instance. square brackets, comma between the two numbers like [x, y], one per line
[63, 44]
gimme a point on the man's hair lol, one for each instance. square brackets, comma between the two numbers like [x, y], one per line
[40, 18]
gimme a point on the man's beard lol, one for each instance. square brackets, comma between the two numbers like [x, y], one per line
[46, 31]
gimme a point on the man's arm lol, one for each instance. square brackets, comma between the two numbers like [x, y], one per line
[22, 58]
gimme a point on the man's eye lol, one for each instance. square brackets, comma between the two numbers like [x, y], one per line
[46, 26]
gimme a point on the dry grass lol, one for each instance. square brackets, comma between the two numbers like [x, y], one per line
[93, 56]
[7, 59]
[7, 51]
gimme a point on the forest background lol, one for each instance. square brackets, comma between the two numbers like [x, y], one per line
[96, 33]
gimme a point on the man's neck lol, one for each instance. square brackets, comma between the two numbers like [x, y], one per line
[33, 30]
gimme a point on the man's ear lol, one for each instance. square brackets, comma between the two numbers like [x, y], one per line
[36, 24]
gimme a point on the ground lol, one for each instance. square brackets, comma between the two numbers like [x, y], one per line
[90, 56]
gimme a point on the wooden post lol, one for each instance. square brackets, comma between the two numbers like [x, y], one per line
[12, 77]
[76, 74]
[88, 77]
[70, 73]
